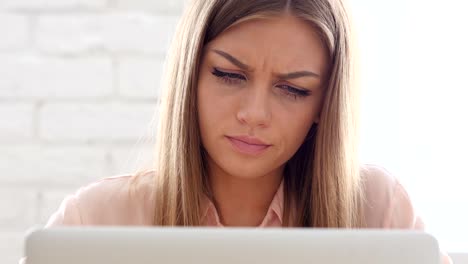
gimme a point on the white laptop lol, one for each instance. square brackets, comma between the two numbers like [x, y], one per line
[146, 245]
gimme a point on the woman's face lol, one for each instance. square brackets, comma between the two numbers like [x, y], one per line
[259, 92]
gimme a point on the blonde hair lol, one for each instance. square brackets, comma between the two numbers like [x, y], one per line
[322, 180]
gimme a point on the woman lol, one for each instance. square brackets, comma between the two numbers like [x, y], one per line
[258, 127]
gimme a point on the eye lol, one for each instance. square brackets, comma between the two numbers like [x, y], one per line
[228, 77]
[293, 92]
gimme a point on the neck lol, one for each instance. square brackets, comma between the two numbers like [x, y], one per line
[243, 201]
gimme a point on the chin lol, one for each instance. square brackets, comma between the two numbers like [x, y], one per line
[246, 172]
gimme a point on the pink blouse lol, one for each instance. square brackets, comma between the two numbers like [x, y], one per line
[109, 202]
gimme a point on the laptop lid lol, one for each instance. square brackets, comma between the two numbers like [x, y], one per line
[145, 245]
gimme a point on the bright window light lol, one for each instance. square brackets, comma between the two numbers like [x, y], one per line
[415, 105]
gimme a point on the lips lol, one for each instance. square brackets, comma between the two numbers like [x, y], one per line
[248, 145]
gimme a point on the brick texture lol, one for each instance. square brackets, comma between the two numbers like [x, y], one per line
[19, 128]
[47, 5]
[41, 77]
[14, 31]
[91, 122]
[113, 32]
[79, 85]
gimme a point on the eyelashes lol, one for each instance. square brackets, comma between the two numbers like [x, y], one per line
[237, 79]
[229, 78]
[296, 91]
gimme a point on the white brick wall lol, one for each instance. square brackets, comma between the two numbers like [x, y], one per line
[154, 6]
[44, 165]
[47, 5]
[43, 77]
[19, 128]
[84, 122]
[115, 32]
[18, 208]
[11, 245]
[79, 81]
[14, 31]
[137, 77]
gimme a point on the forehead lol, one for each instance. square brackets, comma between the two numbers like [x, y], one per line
[285, 41]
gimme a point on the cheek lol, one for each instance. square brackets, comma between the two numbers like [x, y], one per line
[214, 109]
[297, 130]
[296, 124]
[204, 109]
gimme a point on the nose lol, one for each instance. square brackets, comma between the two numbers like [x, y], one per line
[255, 110]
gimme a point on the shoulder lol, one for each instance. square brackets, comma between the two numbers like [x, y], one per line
[387, 203]
[117, 200]
[378, 184]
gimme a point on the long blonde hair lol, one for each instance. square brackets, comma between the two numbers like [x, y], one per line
[322, 181]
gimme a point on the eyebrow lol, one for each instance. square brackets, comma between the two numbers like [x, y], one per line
[243, 66]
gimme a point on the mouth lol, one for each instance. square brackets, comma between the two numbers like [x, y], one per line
[249, 146]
